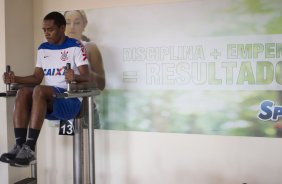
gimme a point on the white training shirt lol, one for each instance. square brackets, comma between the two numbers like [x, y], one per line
[53, 58]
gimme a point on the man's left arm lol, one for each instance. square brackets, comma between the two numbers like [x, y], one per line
[83, 75]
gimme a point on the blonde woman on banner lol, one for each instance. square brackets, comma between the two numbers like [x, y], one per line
[76, 23]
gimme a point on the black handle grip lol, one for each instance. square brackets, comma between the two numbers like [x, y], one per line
[8, 86]
[8, 68]
[68, 66]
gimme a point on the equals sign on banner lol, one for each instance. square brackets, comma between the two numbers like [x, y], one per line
[130, 76]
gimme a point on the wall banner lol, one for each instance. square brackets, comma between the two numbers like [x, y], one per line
[200, 67]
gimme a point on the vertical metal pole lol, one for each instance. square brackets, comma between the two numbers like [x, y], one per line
[34, 170]
[91, 141]
[78, 163]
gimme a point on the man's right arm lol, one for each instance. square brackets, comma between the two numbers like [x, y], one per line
[36, 78]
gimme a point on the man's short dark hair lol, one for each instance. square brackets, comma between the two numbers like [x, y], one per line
[58, 18]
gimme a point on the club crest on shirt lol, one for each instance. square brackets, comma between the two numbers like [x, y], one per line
[64, 55]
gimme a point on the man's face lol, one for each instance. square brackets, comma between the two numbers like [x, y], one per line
[53, 33]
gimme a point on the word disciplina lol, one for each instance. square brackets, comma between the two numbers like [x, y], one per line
[199, 52]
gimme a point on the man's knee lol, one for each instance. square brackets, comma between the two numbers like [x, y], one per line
[24, 92]
[42, 92]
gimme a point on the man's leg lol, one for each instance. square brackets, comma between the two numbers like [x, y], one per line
[21, 119]
[21, 116]
[42, 99]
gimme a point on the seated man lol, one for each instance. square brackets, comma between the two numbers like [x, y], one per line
[33, 105]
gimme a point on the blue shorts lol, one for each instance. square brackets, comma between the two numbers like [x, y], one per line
[63, 108]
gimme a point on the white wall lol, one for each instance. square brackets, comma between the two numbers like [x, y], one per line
[165, 158]
[130, 157]
[16, 48]
[3, 113]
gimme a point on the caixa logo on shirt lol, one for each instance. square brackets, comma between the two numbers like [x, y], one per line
[54, 71]
[268, 111]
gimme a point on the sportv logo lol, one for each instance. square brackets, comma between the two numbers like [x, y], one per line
[54, 71]
[268, 111]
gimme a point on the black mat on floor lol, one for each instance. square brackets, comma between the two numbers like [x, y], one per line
[27, 181]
